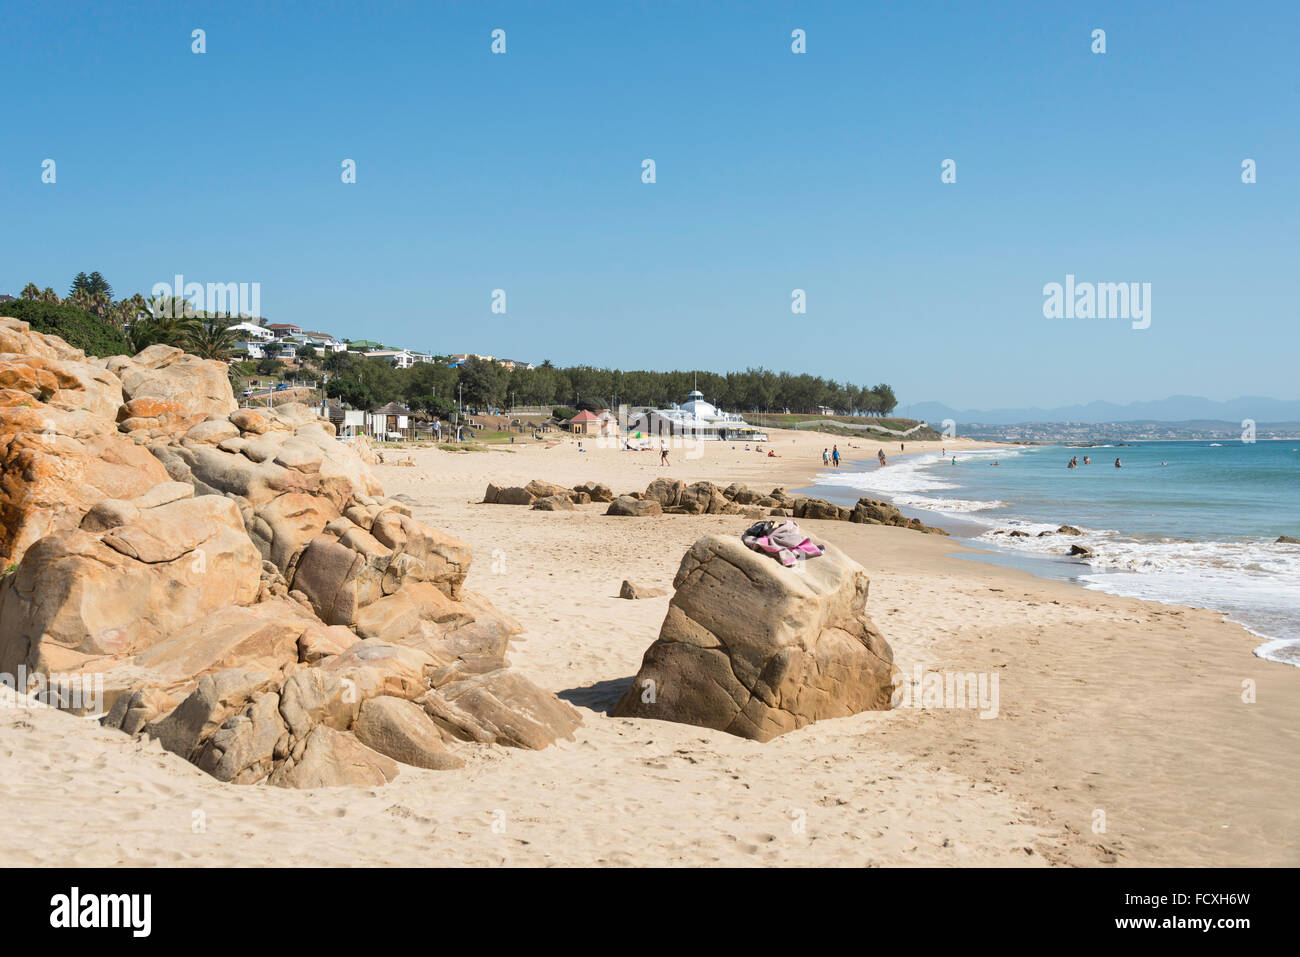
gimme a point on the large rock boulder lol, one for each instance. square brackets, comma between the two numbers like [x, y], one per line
[701, 498]
[596, 491]
[331, 759]
[166, 391]
[510, 495]
[554, 503]
[501, 707]
[666, 491]
[349, 567]
[538, 488]
[635, 507]
[810, 508]
[756, 649]
[80, 594]
[401, 730]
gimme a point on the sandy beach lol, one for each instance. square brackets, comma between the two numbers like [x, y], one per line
[1121, 736]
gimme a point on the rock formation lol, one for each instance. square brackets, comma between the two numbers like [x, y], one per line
[251, 598]
[670, 496]
[756, 649]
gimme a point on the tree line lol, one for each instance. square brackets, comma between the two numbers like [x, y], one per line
[438, 387]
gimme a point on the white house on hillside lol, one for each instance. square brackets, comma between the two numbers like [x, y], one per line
[251, 330]
[399, 357]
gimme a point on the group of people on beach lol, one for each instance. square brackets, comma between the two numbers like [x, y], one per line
[831, 456]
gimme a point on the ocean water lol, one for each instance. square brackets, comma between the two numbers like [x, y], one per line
[1191, 523]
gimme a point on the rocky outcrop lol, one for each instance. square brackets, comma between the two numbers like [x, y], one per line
[251, 598]
[670, 496]
[755, 649]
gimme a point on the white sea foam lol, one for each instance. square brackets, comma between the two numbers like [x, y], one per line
[903, 479]
[1252, 582]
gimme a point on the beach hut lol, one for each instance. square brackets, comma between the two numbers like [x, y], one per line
[585, 423]
[391, 421]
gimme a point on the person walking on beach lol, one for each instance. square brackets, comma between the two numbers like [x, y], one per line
[900, 446]
[881, 455]
[835, 456]
[663, 452]
[826, 457]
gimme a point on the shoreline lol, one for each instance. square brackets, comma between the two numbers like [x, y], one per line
[1277, 648]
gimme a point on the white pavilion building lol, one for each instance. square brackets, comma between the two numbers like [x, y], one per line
[696, 419]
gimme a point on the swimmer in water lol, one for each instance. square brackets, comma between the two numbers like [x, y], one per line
[1117, 465]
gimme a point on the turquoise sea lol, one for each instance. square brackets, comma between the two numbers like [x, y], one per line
[1190, 523]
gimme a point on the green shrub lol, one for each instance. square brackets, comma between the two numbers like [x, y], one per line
[79, 329]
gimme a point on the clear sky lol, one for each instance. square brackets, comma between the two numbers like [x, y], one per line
[775, 171]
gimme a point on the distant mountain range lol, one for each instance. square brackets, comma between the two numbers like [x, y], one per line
[1178, 408]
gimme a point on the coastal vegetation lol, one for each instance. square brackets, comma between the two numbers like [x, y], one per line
[437, 387]
[91, 319]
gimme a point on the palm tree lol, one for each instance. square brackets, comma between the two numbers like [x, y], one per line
[30, 291]
[170, 330]
[81, 299]
[126, 311]
[210, 339]
[100, 303]
[172, 307]
[122, 314]
[50, 296]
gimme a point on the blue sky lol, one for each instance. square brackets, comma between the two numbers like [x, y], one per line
[775, 171]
